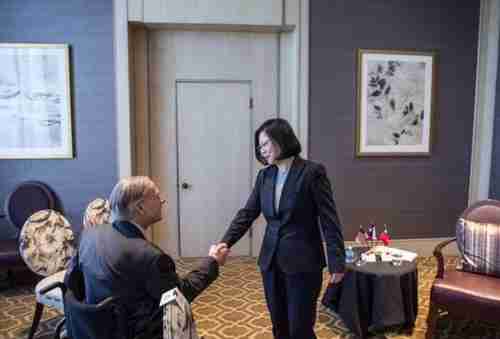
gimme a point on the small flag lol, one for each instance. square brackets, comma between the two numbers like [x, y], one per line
[384, 236]
[372, 231]
[361, 237]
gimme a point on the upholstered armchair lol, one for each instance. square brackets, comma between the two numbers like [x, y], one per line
[471, 291]
[25, 199]
[46, 244]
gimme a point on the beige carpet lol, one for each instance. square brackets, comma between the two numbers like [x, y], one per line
[234, 307]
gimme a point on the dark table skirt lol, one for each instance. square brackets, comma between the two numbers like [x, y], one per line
[374, 296]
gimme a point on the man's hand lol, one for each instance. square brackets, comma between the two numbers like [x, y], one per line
[219, 252]
[336, 278]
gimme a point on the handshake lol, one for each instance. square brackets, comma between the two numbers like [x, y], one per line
[219, 252]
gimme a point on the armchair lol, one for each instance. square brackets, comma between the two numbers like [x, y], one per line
[51, 228]
[25, 199]
[472, 292]
[46, 244]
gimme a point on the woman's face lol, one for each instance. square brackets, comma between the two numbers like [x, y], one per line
[268, 149]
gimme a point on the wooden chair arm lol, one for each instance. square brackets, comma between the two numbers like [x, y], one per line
[439, 256]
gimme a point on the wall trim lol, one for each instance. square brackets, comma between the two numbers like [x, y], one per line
[303, 78]
[294, 74]
[423, 246]
[221, 27]
[122, 88]
[484, 106]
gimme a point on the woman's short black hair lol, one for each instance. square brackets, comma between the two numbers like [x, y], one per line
[281, 133]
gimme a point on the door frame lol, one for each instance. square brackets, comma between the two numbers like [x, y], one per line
[291, 100]
[177, 146]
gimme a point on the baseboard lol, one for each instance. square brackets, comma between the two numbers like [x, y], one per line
[423, 247]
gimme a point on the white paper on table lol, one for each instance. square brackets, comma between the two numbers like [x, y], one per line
[388, 254]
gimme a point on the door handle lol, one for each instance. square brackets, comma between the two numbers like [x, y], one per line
[185, 186]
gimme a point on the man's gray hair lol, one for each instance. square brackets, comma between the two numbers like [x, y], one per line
[126, 194]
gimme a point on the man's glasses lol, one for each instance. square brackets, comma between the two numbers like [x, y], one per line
[155, 197]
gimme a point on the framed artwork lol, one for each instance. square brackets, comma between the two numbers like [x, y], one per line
[35, 101]
[396, 91]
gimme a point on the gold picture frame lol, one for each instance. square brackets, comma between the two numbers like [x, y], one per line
[35, 101]
[396, 95]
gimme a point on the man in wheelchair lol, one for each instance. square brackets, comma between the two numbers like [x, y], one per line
[117, 261]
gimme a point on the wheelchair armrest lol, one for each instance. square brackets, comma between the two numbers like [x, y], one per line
[55, 284]
[106, 302]
[439, 256]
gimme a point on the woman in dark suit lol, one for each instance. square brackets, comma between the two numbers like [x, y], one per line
[292, 193]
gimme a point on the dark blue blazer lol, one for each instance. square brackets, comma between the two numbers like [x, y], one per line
[293, 238]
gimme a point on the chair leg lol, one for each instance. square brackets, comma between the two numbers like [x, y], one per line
[10, 279]
[36, 319]
[59, 326]
[432, 318]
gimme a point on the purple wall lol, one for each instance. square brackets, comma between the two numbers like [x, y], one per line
[418, 197]
[87, 26]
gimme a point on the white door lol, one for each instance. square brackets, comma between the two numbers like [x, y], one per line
[215, 161]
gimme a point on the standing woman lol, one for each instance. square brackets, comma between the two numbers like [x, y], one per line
[292, 193]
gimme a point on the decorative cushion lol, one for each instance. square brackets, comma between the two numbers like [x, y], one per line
[479, 246]
[46, 242]
[52, 298]
[98, 212]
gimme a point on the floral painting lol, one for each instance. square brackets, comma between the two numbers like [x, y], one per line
[395, 103]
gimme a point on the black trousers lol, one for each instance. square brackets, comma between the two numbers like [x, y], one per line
[291, 300]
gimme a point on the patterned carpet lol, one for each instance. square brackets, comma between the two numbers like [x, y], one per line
[234, 307]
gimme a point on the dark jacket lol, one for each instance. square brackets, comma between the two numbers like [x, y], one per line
[116, 260]
[292, 235]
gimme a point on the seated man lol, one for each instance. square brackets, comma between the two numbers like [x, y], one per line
[117, 260]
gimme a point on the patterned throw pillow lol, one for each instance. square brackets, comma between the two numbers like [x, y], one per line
[46, 242]
[98, 212]
[479, 246]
